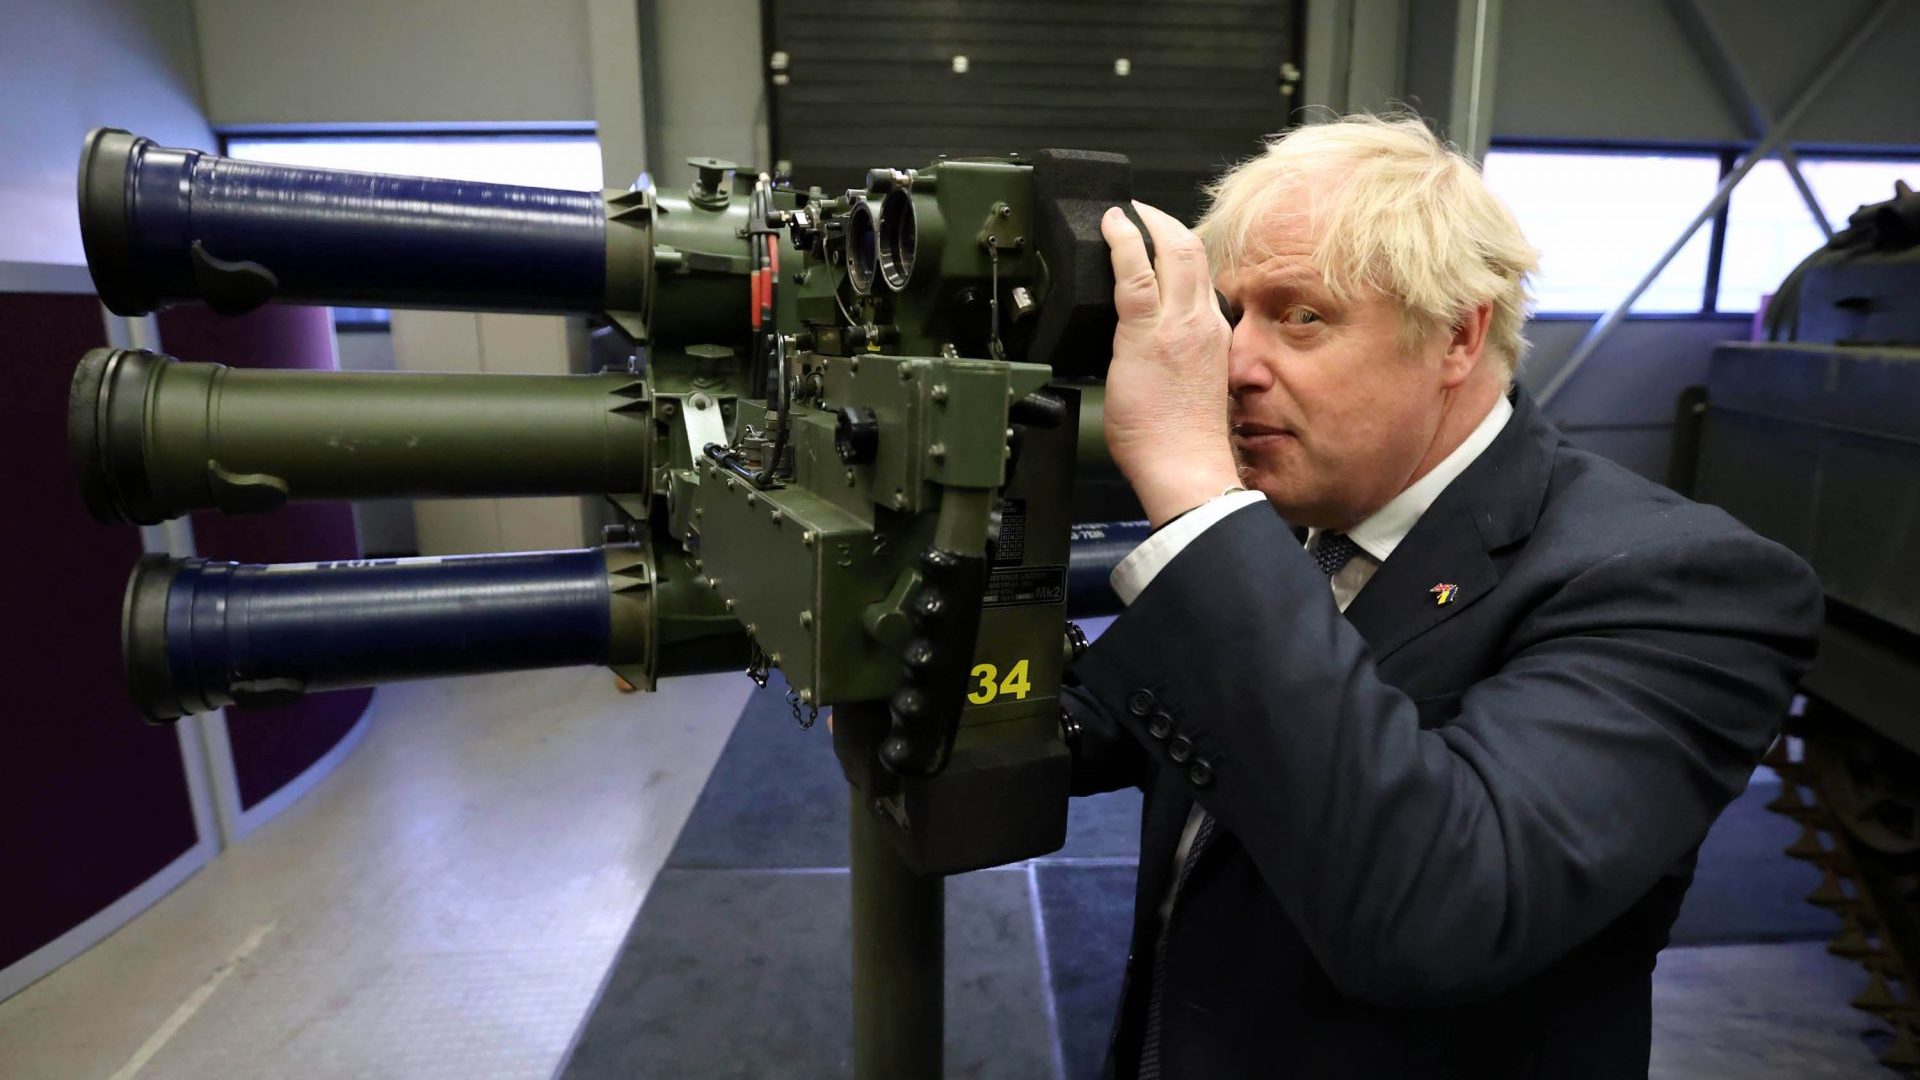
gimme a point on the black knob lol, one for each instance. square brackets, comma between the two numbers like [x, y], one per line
[856, 435]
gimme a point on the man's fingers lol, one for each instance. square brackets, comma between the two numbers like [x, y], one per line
[1182, 261]
[1136, 292]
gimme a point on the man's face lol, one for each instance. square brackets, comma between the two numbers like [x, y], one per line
[1332, 414]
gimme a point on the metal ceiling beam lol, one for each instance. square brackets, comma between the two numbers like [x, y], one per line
[1711, 46]
[1476, 45]
[1823, 77]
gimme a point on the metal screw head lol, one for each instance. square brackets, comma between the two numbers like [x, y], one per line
[669, 409]
[806, 620]
[806, 697]
[775, 516]
[899, 500]
[938, 451]
[731, 483]
[752, 630]
[752, 499]
[729, 604]
[713, 583]
[807, 538]
[938, 393]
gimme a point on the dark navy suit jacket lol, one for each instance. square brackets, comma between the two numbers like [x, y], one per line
[1452, 836]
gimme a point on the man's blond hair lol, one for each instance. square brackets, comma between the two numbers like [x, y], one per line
[1396, 211]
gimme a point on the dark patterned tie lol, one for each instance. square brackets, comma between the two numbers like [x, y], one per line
[1331, 551]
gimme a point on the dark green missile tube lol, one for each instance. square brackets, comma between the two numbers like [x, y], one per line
[162, 225]
[153, 438]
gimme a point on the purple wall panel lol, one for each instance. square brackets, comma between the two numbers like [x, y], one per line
[93, 800]
[272, 745]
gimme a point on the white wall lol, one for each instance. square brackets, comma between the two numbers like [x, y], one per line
[394, 61]
[67, 66]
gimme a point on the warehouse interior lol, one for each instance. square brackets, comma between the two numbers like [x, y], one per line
[545, 874]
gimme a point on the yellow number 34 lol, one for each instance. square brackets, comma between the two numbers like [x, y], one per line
[992, 686]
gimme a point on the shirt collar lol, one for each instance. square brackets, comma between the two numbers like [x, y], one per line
[1379, 534]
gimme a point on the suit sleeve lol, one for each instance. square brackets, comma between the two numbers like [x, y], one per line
[1432, 866]
[1105, 755]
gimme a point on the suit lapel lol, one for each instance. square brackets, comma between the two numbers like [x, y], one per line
[1492, 505]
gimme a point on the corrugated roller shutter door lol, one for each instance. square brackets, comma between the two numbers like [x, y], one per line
[870, 84]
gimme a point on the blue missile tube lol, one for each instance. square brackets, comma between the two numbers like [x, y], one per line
[162, 224]
[200, 635]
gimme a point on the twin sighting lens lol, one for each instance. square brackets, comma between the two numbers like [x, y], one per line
[863, 247]
[899, 232]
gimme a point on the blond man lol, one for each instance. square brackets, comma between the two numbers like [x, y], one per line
[1431, 710]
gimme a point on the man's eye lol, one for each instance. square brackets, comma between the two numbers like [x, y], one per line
[1299, 316]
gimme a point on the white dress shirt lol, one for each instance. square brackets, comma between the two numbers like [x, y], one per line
[1377, 537]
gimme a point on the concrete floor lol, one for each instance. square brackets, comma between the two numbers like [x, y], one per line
[445, 904]
[449, 902]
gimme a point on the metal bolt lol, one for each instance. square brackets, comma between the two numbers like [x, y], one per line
[939, 393]
[806, 697]
[713, 583]
[850, 480]
[698, 513]
[906, 373]
[773, 660]
[899, 500]
[806, 620]
[752, 630]
[669, 409]
[853, 366]
[807, 538]
[1005, 211]
[698, 565]
[729, 604]
[730, 483]
[752, 499]
[938, 451]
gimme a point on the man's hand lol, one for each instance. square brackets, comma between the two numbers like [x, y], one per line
[1167, 405]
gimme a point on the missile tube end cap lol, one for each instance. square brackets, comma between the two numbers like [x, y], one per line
[143, 639]
[106, 219]
[106, 414]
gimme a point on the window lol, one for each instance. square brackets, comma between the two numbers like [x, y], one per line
[569, 160]
[1600, 219]
[1601, 216]
[1769, 228]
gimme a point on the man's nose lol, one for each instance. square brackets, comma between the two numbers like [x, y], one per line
[1247, 370]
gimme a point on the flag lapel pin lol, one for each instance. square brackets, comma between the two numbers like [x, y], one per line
[1444, 593]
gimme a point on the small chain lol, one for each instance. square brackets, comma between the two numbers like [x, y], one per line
[812, 713]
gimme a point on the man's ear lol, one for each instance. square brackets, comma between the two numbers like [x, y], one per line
[1466, 345]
